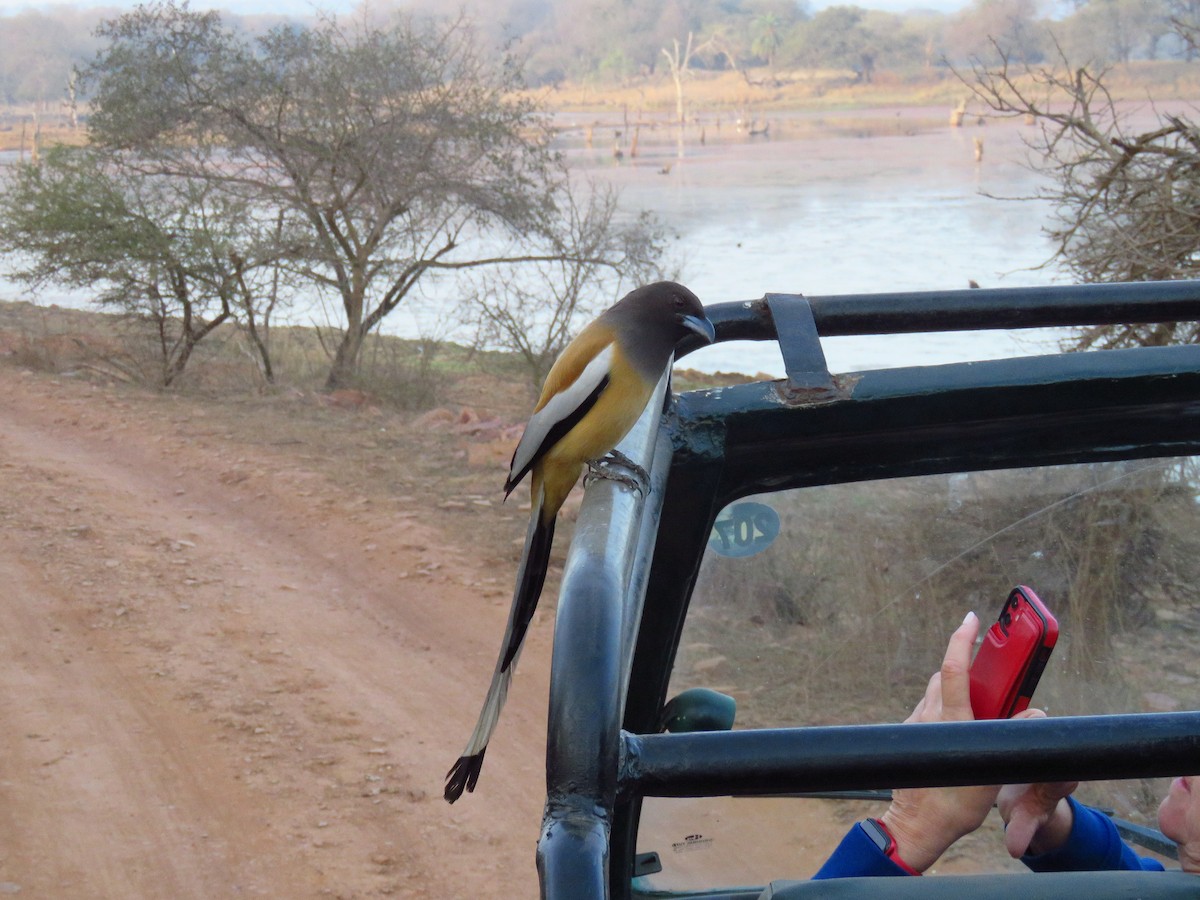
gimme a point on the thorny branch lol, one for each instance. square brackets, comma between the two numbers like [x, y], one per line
[1126, 203]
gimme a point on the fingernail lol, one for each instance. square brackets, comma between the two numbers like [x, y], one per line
[968, 617]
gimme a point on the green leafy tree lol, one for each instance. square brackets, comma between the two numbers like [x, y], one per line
[1115, 30]
[1012, 27]
[173, 252]
[768, 30]
[839, 37]
[37, 51]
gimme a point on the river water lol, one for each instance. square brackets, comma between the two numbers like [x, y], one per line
[825, 203]
[838, 203]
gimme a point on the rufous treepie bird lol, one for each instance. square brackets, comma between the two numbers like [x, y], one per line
[593, 395]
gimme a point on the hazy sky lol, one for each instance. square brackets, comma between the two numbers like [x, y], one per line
[300, 7]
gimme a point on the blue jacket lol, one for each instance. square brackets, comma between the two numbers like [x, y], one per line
[1093, 845]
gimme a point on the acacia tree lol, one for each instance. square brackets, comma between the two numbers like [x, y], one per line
[1127, 203]
[173, 252]
[394, 152]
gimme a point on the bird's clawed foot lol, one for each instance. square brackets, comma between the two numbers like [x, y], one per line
[616, 466]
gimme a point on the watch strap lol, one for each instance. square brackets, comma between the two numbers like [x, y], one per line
[878, 832]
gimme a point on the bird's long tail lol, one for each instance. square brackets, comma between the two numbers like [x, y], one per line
[534, 563]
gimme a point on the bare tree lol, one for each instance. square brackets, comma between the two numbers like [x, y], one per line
[72, 100]
[1127, 203]
[679, 61]
[534, 310]
[1183, 17]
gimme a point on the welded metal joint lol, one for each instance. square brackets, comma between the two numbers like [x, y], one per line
[629, 773]
[695, 438]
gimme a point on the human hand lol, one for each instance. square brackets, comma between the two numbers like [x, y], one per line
[926, 821]
[1179, 819]
[1038, 816]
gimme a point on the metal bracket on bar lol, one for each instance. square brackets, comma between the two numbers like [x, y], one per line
[800, 344]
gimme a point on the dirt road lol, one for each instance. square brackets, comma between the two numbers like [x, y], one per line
[222, 677]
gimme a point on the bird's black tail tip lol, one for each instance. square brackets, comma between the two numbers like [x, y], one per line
[463, 775]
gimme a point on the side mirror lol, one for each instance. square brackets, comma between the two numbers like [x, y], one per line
[699, 709]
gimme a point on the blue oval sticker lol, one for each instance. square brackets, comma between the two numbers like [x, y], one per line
[744, 529]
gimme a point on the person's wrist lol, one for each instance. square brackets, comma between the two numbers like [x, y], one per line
[878, 831]
[912, 847]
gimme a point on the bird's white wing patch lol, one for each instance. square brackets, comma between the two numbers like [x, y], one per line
[561, 407]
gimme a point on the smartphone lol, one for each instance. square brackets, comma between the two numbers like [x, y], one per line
[1012, 656]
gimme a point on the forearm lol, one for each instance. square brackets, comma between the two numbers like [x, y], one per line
[858, 856]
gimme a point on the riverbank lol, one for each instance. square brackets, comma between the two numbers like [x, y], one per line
[824, 89]
[750, 94]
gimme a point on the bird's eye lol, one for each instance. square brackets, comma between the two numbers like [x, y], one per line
[680, 301]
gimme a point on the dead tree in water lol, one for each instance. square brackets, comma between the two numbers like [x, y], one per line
[679, 62]
[958, 114]
[72, 101]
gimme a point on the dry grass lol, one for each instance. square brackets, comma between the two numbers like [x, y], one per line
[809, 89]
[19, 131]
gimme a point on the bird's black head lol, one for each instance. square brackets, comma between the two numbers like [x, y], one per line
[667, 308]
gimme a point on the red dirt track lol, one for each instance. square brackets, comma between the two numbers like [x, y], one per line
[222, 676]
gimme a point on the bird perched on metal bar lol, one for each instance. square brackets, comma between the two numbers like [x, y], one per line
[593, 395]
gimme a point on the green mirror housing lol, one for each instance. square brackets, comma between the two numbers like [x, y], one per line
[699, 709]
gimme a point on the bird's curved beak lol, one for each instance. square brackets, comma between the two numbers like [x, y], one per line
[701, 326]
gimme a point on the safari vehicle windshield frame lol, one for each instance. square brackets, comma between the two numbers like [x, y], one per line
[636, 555]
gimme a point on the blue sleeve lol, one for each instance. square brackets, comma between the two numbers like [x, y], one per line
[857, 855]
[1093, 845]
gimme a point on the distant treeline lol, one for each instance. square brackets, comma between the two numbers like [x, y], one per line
[614, 41]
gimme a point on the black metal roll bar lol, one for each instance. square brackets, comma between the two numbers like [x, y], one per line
[762, 762]
[635, 555]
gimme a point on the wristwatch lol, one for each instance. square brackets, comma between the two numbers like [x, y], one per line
[883, 839]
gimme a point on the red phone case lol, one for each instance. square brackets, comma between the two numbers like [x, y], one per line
[1012, 657]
